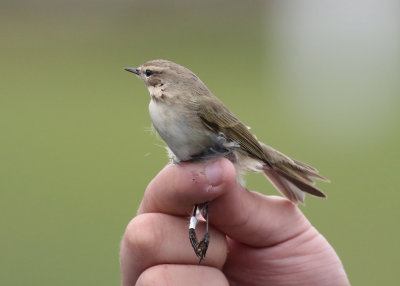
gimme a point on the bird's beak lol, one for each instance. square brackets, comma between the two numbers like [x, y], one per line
[134, 70]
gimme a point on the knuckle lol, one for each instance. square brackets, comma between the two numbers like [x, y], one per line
[153, 276]
[288, 207]
[142, 233]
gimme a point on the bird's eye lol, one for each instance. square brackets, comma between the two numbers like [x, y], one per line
[148, 73]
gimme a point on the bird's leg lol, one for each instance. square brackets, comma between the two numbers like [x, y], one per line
[192, 229]
[203, 244]
[199, 247]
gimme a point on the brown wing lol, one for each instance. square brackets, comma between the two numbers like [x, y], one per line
[291, 177]
[218, 118]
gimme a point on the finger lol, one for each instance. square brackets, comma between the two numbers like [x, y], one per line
[178, 186]
[154, 238]
[255, 219]
[169, 274]
[245, 216]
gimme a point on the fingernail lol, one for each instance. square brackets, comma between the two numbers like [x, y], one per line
[214, 173]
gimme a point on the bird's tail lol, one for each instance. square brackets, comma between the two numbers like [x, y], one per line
[291, 177]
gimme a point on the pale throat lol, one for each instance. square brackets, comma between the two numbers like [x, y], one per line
[156, 92]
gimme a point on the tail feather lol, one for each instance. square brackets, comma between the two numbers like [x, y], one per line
[291, 187]
[311, 172]
[291, 177]
[282, 185]
[301, 174]
[308, 188]
[305, 166]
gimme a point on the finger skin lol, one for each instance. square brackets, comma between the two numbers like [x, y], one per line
[182, 275]
[245, 216]
[255, 219]
[155, 238]
[179, 186]
[306, 259]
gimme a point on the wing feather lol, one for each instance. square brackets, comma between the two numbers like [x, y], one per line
[217, 117]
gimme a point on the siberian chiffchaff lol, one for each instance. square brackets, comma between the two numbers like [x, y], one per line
[196, 126]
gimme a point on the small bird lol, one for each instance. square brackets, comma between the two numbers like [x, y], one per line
[197, 126]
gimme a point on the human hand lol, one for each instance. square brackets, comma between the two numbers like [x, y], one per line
[255, 239]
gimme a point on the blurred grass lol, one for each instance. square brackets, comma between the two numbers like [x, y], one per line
[76, 157]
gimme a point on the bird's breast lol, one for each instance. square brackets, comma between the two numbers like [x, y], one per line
[181, 129]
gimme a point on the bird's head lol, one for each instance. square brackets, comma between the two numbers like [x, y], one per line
[166, 75]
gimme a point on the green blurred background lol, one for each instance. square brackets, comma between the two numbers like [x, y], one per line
[318, 80]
